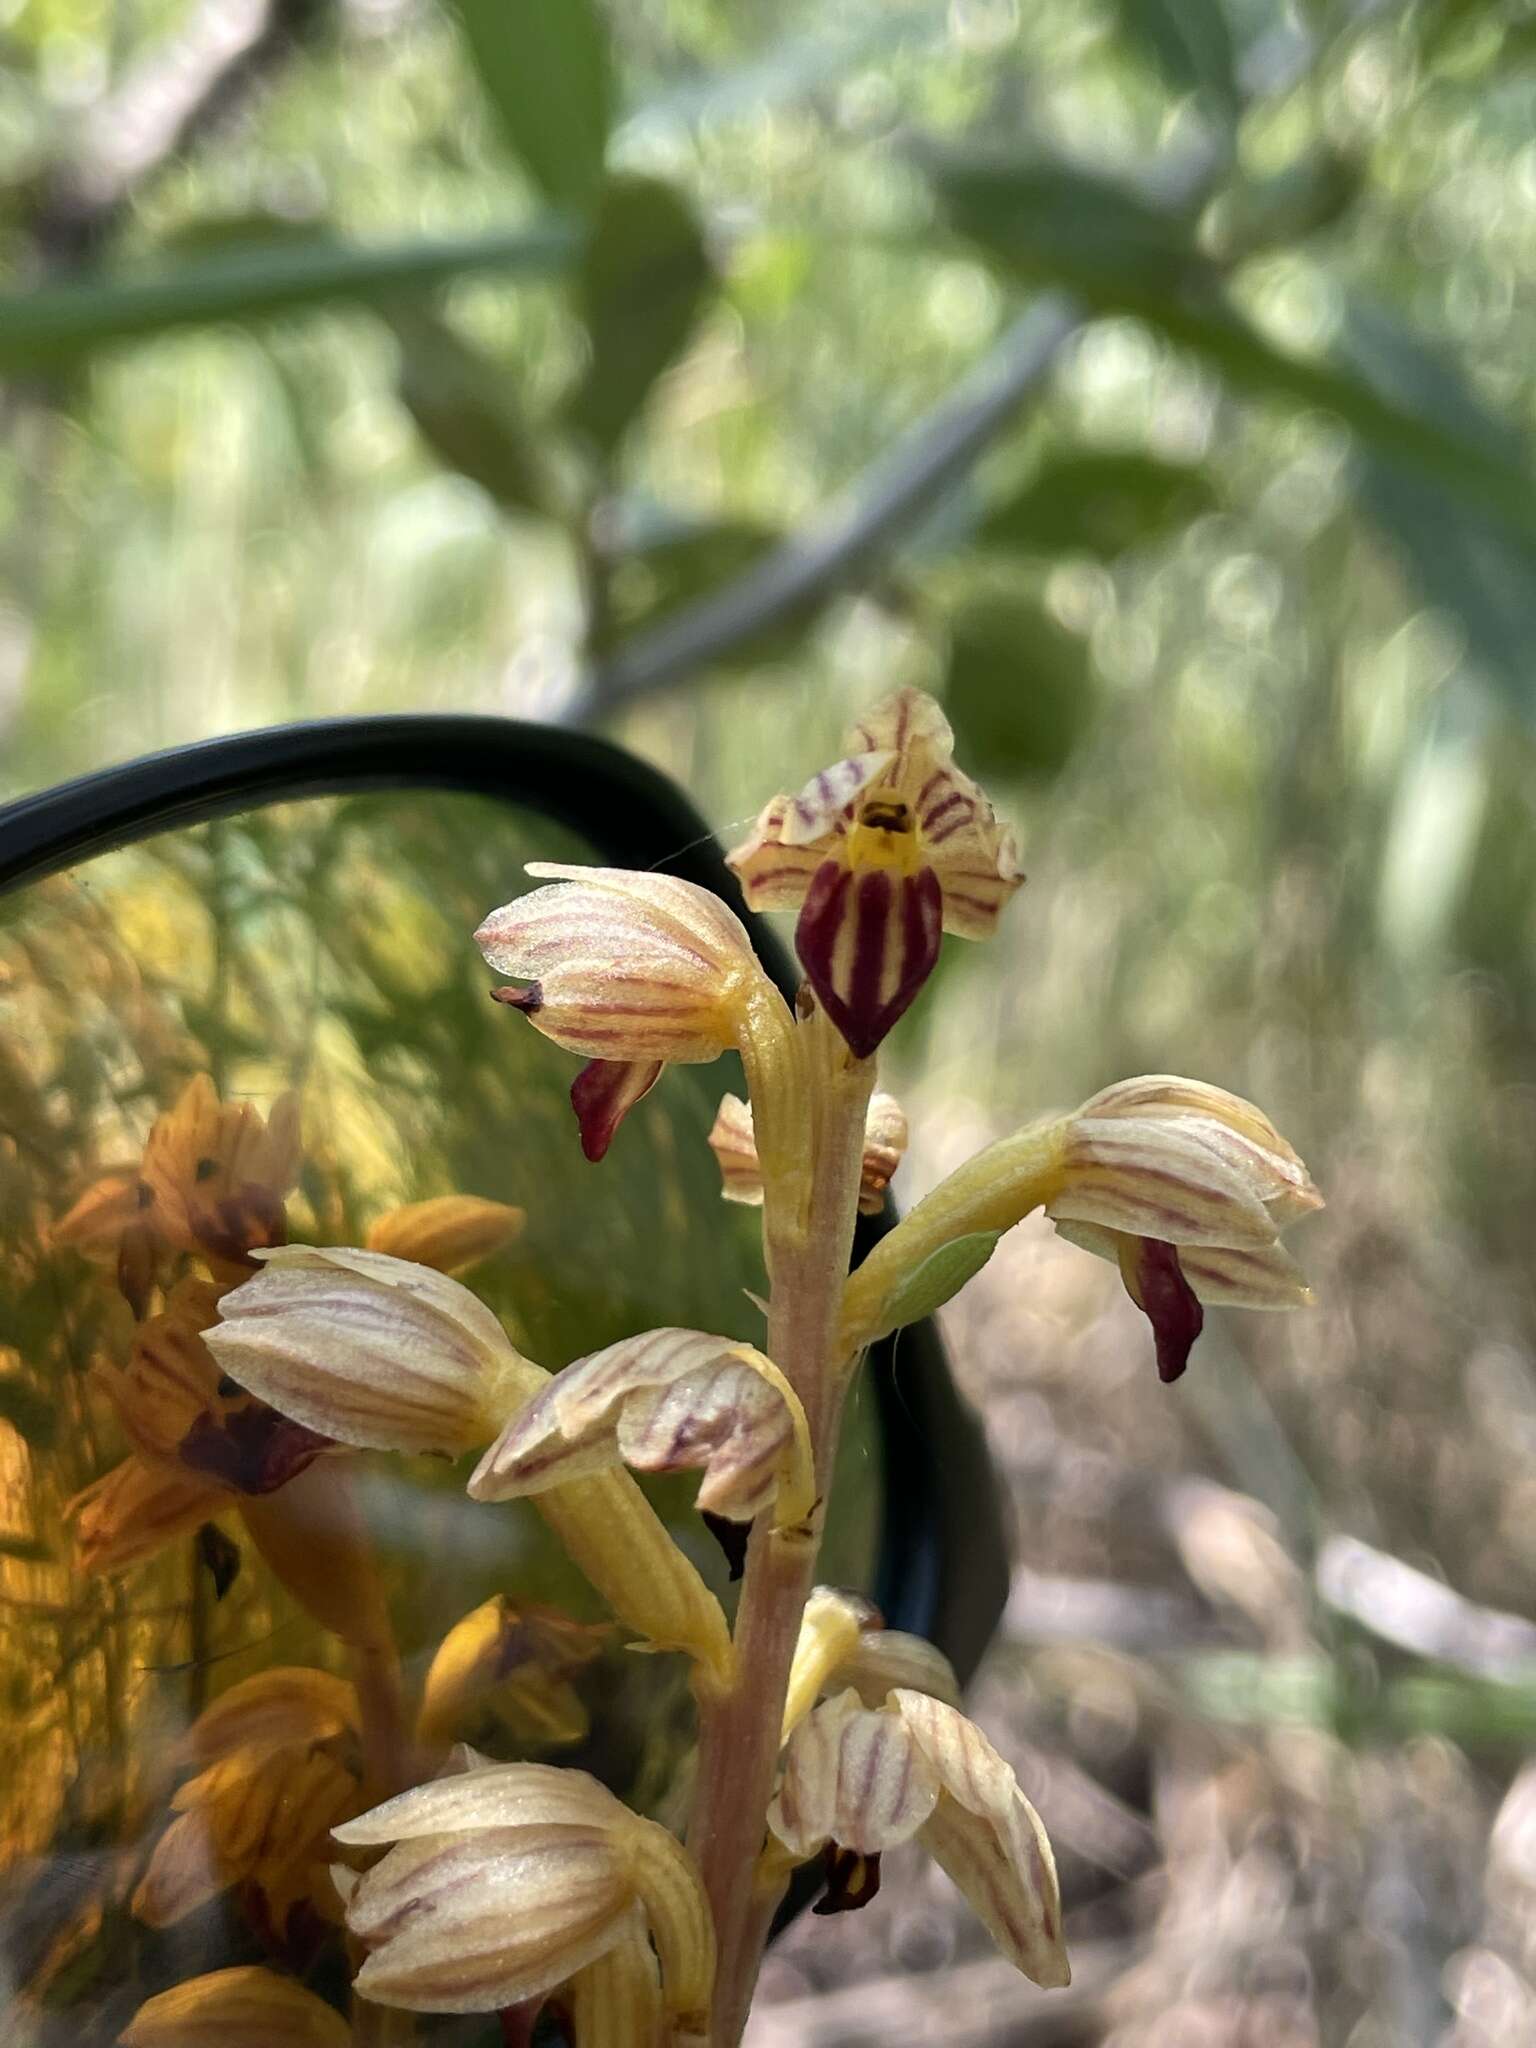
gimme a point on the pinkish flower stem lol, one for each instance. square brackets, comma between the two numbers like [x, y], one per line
[807, 1249]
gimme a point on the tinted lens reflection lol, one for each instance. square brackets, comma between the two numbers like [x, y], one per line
[291, 1003]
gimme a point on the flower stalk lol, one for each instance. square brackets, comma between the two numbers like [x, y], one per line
[807, 1253]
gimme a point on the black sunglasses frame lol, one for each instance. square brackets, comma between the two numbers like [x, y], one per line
[942, 1570]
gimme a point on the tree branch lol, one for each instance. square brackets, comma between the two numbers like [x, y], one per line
[177, 91]
[891, 496]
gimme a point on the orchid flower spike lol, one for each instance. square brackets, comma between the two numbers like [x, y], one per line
[860, 1781]
[1186, 1188]
[881, 854]
[507, 1879]
[634, 971]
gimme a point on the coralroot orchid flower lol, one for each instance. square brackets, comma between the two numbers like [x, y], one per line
[665, 1402]
[863, 1781]
[211, 1182]
[734, 1144]
[1186, 1188]
[506, 1879]
[881, 854]
[634, 971]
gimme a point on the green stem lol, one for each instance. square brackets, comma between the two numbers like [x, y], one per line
[808, 1245]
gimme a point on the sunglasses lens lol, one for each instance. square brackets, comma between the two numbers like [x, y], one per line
[277, 1027]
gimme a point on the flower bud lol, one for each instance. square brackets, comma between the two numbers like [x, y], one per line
[505, 1880]
[624, 966]
[372, 1350]
[287, 1706]
[868, 1780]
[734, 1145]
[247, 2007]
[251, 1818]
[450, 1233]
[517, 1663]
[668, 1401]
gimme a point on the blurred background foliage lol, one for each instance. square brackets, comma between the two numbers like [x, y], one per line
[1146, 378]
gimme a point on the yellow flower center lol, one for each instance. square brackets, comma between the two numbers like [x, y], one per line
[884, 834]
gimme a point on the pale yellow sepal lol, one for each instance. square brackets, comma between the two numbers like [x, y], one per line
[372, 1350]
[450, 1233]
[830, 1627]
[247, 2007]
[288, 1705]
[513, 1663]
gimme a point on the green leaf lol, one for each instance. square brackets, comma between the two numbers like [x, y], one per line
[1190, 43]
[1050, 220]
[1019, 689]
[1121, 253]
[1469, 562]
[1098, 505]
[546, 69]
[31, 1414]
[643, 278]
[466, 410]
[941, 1276]
[57, 325]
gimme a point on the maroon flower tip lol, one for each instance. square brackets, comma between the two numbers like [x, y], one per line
[868, 940]
[604, 1093]
[526, 999]
[252, 1450]
[852, 1880]
[1155, 1281]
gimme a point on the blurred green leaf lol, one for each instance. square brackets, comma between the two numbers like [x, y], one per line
[31, 1414]
[1122, 253]
[56, 325]
[546, 69]
[1314, 192]
[1060, 221]
[642, 280]
[1019, 687]
[1473, 564]
[465, 407]
[1190, 43]
[1098, 505]
[938, 1279]
[27, 1549]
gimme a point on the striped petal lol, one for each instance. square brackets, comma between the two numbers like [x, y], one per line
[734, 1144]
[827, 797]
[852, 1777]
[1152, 1177]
